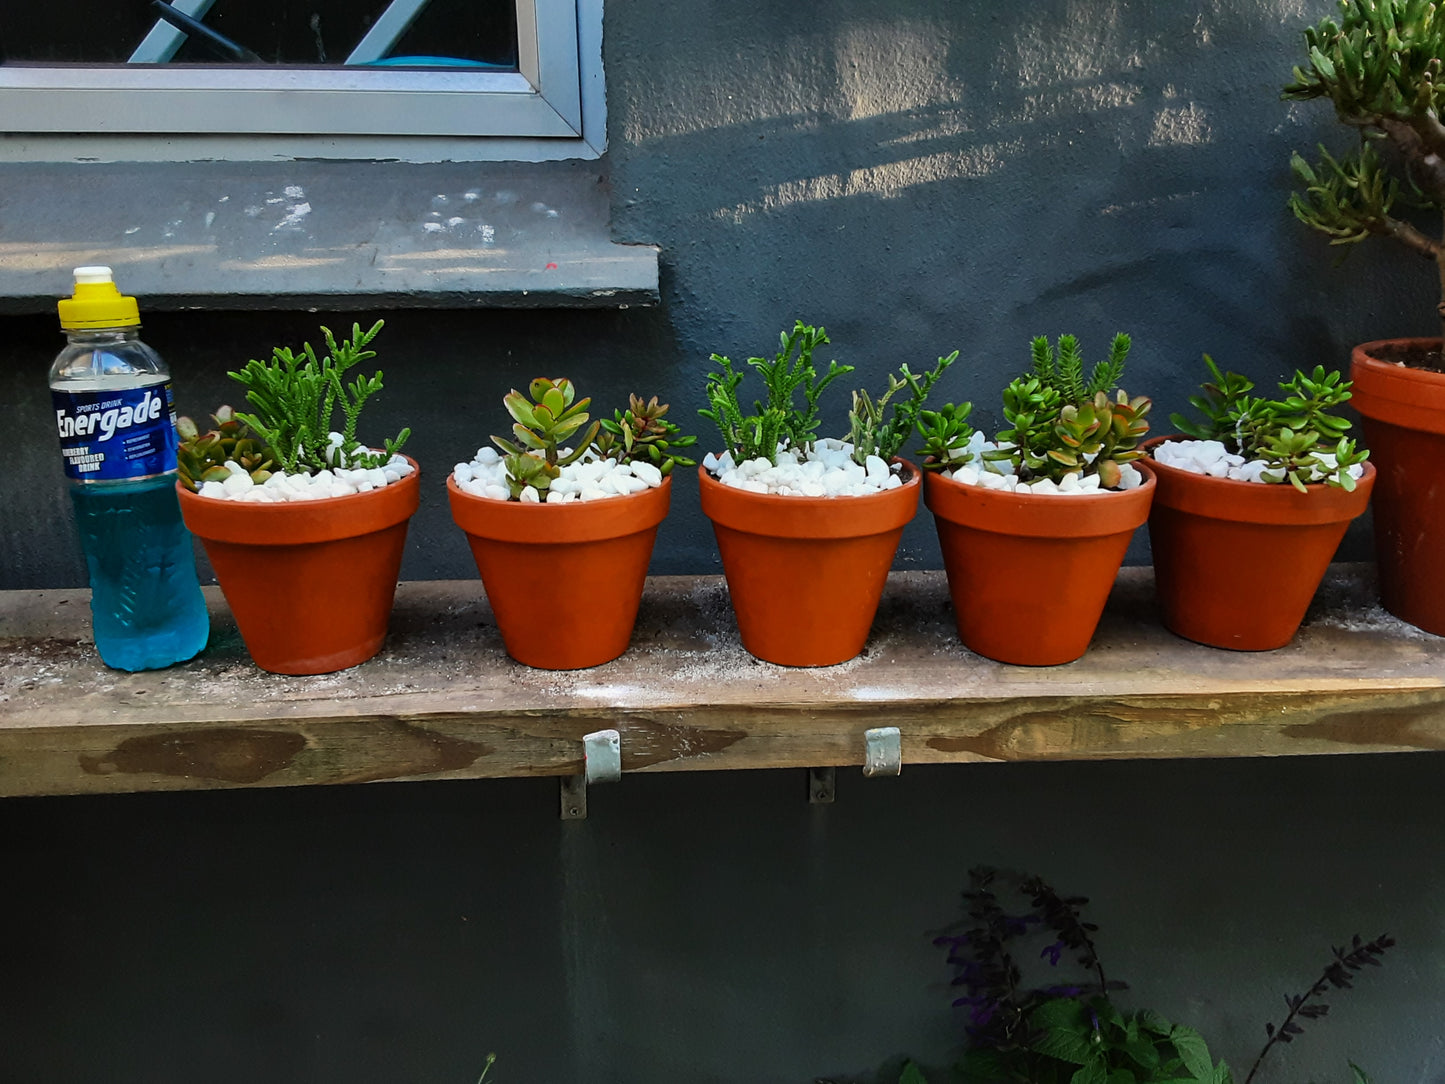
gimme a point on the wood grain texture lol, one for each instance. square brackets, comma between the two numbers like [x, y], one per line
[442, 700]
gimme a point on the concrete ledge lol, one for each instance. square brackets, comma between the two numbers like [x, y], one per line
[320, 235]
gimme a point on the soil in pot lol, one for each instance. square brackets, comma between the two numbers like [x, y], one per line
[1029, 573]
[310, 583]
[1402, 410]
[805, 574]
[1236, 563]
[564, 580]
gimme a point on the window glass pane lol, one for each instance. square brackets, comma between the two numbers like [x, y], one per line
[301, 32]
[287, 31]
[72, 33]
[468, 29]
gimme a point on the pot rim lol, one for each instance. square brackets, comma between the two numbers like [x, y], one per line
[1395, 393]
[1037, 515]
[793, 516]
[574, 521]
[1255, 502]
[301, 522]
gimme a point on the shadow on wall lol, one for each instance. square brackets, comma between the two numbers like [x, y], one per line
[969, 176]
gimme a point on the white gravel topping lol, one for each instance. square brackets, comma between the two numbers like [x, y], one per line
[999, 474]
[1212, 458]
[825, 470]
[281, 487]
[588, 479]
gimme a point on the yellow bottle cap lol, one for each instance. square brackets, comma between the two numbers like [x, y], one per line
[97, 302]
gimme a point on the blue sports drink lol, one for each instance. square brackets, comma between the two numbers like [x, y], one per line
[116, 421]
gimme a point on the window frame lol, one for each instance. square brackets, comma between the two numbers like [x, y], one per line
[551, 107]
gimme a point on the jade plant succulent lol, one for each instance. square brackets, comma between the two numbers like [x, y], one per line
[552, 415]
[551, 429]
[1059, 421]
[202, 457]
[1380, 65]
[1297, 436]
[876, 426]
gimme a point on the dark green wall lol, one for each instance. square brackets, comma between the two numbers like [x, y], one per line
[708, 929]
[917, 176]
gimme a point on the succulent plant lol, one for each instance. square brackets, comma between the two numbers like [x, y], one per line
[1061, 423]
[1101, 433]
[946, 434]
[1380, 65]
[641, 433]
[781, 421]
[201, 457]
[870, 432]
[1290, 434]
[540, 425]
[296, 396]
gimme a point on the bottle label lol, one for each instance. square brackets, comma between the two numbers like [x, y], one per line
[110, 435]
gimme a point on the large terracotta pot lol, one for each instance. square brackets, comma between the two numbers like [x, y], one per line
[310, 583]
[805, 574]
[1029, 573]
[564, 580]
[1237, 563]
[1403, 413]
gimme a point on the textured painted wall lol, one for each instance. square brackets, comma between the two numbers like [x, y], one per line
[918, 176]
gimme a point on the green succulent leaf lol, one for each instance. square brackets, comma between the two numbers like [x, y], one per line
[1289, 433]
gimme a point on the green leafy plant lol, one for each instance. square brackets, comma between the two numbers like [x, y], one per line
[946, 433]
[1060, 422]
[780, 420]
[201, 457]
[1297, 436]
[1379, 64]
[552, 415]
[642, 434]
[1070, 1031]
[296, 397]
[872, 430]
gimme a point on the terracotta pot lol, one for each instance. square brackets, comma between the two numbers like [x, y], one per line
[310, 583]
[806, 573]
[1237, 563]
[1029, 573]
[564, 580]
[1403, 419]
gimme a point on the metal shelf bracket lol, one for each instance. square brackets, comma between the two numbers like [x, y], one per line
[882, 751]
[602, 759]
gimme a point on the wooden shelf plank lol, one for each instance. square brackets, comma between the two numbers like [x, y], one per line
[442, 700]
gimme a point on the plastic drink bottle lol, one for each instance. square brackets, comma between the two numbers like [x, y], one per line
[114, 412]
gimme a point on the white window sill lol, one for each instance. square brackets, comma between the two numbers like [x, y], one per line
[320, 235]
